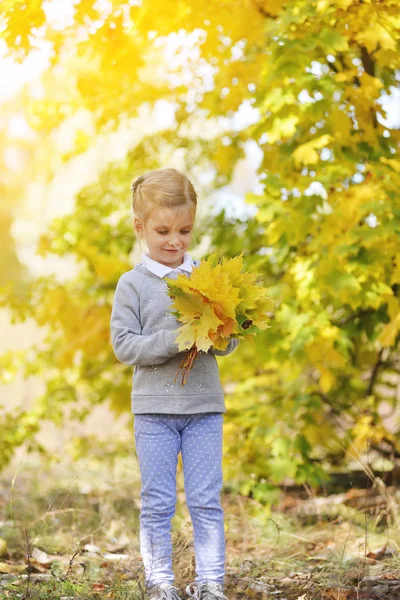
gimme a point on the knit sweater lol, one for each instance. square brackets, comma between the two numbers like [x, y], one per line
[143, 333]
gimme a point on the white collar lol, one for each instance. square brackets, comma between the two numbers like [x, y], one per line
[162, 270]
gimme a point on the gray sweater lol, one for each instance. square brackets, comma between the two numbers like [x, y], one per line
[143, 333]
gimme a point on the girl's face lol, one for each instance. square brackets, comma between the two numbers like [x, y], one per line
[168, 234]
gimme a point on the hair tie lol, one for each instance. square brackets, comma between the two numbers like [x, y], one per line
[135, 184]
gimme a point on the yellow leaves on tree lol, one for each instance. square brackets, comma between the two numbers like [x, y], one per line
[307, 154]
[390, 331]
[318, 75]
[366, 432]
[282, 128]
[107, 268]
[218, 301]
[20, 17]
[82, 324]
[375, 35]
[325, 357]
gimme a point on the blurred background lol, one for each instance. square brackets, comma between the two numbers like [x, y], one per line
[286, 117]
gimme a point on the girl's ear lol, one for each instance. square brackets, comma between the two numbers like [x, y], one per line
[137, 226]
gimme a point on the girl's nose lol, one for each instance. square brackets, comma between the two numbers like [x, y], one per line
[175, 244]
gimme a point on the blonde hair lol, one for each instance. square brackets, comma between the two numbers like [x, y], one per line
[162, 188]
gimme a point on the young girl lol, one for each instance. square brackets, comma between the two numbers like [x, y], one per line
[171, 418]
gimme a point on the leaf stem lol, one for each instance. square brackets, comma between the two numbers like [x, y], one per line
[187, 364]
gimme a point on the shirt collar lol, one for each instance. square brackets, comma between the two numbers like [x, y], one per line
[162, 270]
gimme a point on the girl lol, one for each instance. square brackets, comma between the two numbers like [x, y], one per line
[170, 418]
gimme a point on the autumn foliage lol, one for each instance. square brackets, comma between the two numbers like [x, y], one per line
[310, 78]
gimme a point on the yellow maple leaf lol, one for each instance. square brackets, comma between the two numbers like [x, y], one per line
[327, 379]
[371, 86]
[190, 305]
[374, 35]
[389, 333]
[186, 337]
[215, 286]
[307, 153]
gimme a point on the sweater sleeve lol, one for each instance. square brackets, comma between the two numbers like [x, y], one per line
[233, 344]
[130, 347]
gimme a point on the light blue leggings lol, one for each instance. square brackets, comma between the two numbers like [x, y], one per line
[159, 439]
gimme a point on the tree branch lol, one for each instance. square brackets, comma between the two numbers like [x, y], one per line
[361, 313]
[374, 373]
[367, 61]
[327, 401]
[262, 11]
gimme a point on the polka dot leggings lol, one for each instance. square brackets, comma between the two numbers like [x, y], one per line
[159, 439]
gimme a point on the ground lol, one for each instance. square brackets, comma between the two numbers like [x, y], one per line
[70, 530]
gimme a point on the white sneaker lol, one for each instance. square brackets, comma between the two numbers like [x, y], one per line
[163, 591]
[206, 591]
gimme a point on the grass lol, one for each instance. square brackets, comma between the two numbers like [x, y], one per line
[72, 531]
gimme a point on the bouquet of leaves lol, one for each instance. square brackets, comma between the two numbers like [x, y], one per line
[218, 301]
